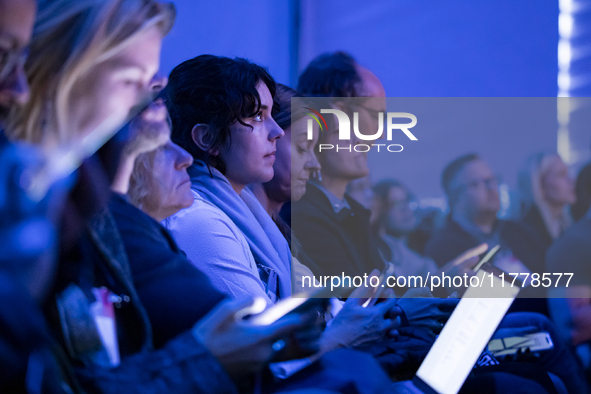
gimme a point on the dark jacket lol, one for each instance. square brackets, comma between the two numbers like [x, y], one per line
[571, 253]
[183, 365]
[337, 242]
[452, 240]
[174, 293]
[533, 220]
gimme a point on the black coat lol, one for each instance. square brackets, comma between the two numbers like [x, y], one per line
[174, 293]
[337, 242]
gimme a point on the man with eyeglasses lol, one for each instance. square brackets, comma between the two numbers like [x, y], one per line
[472, 191]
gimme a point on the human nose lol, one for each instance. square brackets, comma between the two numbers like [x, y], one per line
[183, 158]
[275, 131]
[312, 164]
[15, 88]
[158, 83]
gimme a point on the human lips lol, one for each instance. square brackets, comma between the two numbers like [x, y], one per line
[184, 182]
[270, 155]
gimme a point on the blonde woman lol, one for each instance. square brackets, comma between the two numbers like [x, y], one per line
[90, 63]
[548, 191]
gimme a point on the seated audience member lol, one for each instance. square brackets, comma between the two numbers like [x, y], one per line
[472, 192]
[328, 219]
[570, 305]
[393, 222]
[473, 196]
[547, 191]
[174, 293]
[27, 228]
[295, 163]
[221, 114]
[583, 193]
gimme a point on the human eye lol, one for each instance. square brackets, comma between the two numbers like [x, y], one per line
[300, 150]
[258, 117]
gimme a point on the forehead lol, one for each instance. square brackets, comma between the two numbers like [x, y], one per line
[476, 169]
[265, 94]
[396, 193]
[17, 18]
[142, 51]
[372, 86]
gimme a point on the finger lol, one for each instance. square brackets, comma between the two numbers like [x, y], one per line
[388, 293]
[361, 294]
[225, 314]
[418, 292]
[470, 253]
[395, 311]
[386, 307]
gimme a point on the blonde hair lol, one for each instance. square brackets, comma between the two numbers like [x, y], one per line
[142, 179]
[69, 39]
[532, 194]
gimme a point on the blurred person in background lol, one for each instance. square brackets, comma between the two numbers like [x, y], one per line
[472, 191]
[28, 236]
[548, 192]
[394, 220]
[583, 193]
[570, 306]
[327, 217]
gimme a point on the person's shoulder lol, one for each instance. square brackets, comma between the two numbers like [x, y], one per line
[574, 244]
[201, 211]
[450, 230]
[124, 212]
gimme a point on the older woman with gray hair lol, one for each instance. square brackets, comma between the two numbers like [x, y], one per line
[548, 191]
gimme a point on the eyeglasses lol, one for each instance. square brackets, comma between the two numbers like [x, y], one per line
[11, 59]
[400, 205]
[490, 183]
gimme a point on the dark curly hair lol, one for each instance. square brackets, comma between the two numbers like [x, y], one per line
[216, 91]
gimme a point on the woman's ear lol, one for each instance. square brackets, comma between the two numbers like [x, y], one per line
[203, 138]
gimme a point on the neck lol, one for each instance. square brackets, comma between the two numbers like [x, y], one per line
[237, 187]
[157, 216]
[271, 206]
[556, 211]
[484, 222]
[338, 187]
[383, 232]
[121, 182]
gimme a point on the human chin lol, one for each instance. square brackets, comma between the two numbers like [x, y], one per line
[298, 189]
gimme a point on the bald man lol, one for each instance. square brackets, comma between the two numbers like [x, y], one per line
[334, 251]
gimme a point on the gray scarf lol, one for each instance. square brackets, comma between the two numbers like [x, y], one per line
[266, 242]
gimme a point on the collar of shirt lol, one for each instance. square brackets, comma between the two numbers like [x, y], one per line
[492, 238]
[337, 203]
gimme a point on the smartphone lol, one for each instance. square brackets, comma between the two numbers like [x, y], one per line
[487, 257]
[319, 301]
[386, 272]
[535, 342]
